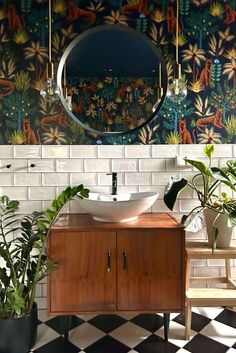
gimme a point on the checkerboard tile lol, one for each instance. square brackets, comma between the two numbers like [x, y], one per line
[213, 331]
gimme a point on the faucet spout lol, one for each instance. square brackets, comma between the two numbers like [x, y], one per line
[114, 183]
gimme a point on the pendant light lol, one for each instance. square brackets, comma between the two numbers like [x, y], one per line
[159, 91]
[177, 90]
[68, 97]
[50, 92]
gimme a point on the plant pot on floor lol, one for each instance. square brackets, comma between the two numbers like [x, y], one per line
[225, 232]
[18, 335]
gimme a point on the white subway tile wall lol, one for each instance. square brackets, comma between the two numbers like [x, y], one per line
[152, 165]
[36, 174]
[27, 179]
[125, 165]
[159, 151]
[138, 151]
[234, 150]
[83, 151]
[97, 165]
[13, 165]
[111, 151]
[55, 179]
[27, 151]
[69, 165]
[7, 152]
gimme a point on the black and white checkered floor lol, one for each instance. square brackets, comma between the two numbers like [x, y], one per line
[213, 331]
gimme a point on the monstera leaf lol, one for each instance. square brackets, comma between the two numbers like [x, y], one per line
[172, 190]
[193, 222]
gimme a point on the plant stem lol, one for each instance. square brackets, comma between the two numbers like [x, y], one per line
[10, 264]
[194, 209]
[195, 187]
[213, 187]
[42, 249]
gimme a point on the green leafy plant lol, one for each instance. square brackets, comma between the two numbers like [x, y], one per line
[25, 261]
[205, 184]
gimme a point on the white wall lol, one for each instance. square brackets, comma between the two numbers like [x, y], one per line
[139, 168]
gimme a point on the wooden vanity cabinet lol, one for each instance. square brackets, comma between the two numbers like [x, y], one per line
[82, 281]
[152, 277]
[108, 267]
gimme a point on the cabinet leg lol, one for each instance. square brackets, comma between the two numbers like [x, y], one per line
[166, 325]
[66, 324]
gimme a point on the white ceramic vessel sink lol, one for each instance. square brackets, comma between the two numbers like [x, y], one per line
[117, 208]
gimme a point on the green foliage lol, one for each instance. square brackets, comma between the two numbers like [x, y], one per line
[174, 111]
[25, 257]
[26, 6]
[22, 81]
[184, 6]
[173, 138]
[18, 105]
[209, 151]
[76, 130]
[216, 72]
[142, 24]
[230, 126]
[127, 139]
[223, 97]
[16, 138]
[200, 24]
[204, 184]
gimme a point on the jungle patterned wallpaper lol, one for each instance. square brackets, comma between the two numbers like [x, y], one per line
[207, 53]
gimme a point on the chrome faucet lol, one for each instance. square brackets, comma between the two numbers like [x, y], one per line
[114, 183]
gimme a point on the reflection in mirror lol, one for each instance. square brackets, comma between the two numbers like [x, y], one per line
[112, 76]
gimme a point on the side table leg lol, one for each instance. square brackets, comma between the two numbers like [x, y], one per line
[228, 272]
[166, 325]
[188, 319]
[188, 273]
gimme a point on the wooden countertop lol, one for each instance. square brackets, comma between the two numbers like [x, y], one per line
[84, 221]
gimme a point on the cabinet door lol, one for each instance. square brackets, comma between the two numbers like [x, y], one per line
[86, 276]
[150, 270]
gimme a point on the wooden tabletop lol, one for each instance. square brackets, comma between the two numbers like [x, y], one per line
[202, 250]
[84, 221]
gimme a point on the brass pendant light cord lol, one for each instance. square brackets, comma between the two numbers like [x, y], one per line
[177, 32]
[50, 63]
[50, 30]
[51, 92]
[159, 74]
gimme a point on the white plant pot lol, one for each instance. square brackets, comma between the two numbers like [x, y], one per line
[225, 232]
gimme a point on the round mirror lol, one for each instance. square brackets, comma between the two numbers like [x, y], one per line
[111, 74]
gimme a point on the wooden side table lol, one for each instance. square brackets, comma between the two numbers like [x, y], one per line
[208, 296]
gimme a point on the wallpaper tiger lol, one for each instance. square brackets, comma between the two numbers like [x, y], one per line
[207, 52]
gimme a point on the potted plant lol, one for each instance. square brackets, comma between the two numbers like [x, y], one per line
[23, 264]
[219, 209]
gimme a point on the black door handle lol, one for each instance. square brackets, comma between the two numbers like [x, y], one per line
[109, 261]
[124, 260]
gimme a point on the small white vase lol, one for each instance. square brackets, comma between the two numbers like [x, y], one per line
[225, 232]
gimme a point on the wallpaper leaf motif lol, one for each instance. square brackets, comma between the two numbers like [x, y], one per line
[207, 33]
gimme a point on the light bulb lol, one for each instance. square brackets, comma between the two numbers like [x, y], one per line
[69, 101]
[177, 90]
[155, 106]
[159, 96]
[67, 97]
[50, 92]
